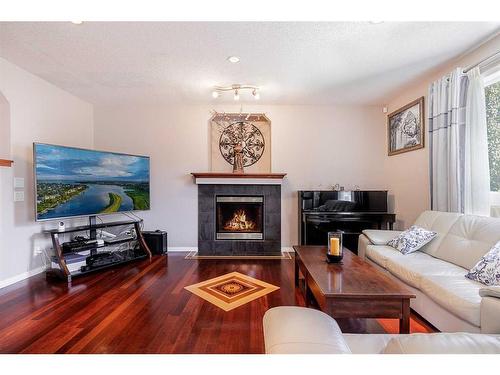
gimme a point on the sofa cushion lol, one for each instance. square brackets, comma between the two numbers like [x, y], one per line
[487, 270]
[412, 239]
[443, 343]
[412, 268]
[380, 253]
[439, 222]
[455, 293]
[381, 237]
[468, 240]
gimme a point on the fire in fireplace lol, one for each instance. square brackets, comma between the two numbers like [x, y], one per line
[239, 217]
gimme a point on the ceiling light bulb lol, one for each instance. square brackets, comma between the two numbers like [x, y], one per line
[256, 94]
[215, 94]
[76, 22]
[233, 59]
[236, 95]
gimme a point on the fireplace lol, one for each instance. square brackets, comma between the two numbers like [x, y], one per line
[239, 215]
[239, 218]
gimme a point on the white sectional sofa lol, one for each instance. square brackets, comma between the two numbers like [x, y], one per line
[299, 330]
[436, 273]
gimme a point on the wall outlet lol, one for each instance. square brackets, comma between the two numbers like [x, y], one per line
[19, 196]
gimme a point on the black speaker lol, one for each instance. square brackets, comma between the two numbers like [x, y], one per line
[156, 241]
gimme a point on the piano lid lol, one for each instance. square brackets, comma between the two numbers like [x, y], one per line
[344, 201]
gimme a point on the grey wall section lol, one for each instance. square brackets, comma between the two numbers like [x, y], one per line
[208, 245]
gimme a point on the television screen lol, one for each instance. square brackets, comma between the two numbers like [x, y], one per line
[77, 182]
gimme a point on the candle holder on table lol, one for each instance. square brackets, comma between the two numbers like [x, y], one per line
[334, 252]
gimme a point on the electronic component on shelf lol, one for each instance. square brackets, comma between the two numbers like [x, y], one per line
[80, 245]
[104, 259]
[117, 239]
[100, 259]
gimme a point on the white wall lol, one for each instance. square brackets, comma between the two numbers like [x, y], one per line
[407, 174]
[39, 112]
[313, 144]
[4, 128]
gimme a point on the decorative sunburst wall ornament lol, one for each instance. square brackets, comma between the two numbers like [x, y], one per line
[249, 132]
[248, 136]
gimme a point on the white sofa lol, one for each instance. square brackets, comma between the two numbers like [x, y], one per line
[436, 273]
[299, 330]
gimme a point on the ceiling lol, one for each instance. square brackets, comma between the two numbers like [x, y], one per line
[109, 63]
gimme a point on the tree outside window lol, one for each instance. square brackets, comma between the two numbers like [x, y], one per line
[493, 120]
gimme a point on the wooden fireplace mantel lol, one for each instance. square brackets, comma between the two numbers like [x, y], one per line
[5, 163]
[228, 178]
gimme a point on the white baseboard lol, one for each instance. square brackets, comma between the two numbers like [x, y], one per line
[20, 277]
[173, 249]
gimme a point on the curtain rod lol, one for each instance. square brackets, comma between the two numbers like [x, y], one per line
[483, 61]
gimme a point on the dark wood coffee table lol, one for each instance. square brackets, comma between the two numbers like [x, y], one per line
[353, 289]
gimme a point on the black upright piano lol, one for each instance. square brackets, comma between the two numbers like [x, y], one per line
[351, 212]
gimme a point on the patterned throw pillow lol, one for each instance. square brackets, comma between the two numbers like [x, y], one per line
[487, 270]
[412, 239]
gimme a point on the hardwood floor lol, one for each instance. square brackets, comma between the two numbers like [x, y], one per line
[144, 308]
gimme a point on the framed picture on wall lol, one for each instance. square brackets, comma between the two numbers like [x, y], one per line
[405, 128]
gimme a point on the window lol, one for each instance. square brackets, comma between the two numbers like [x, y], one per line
[492, 94]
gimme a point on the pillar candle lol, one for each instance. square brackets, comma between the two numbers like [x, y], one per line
[334, 246]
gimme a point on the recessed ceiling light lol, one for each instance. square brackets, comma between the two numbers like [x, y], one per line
[233, 59]
[76, 22]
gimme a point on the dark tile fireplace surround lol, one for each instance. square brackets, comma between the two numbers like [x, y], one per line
[239, 219]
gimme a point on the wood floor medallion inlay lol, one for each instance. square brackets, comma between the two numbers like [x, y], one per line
[231, 290]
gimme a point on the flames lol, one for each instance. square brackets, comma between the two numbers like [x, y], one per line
[239, 222]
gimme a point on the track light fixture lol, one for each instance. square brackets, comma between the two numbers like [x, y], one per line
[236, 89]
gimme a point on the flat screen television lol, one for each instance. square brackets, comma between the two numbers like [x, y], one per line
[72, 182]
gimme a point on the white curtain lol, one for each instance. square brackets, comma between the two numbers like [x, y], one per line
[447, 100]
[477, 172]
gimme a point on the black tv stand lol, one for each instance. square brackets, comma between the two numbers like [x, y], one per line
[131, 249]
